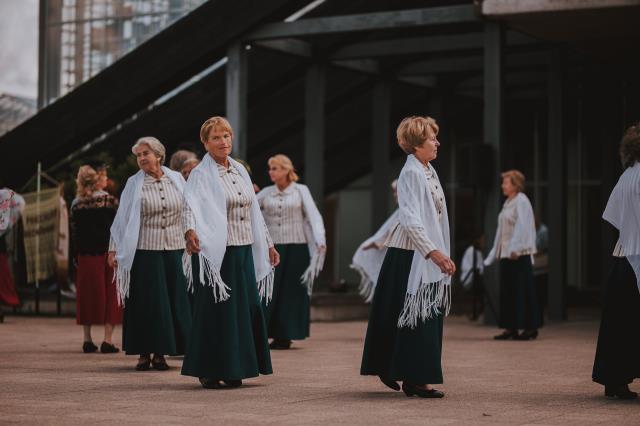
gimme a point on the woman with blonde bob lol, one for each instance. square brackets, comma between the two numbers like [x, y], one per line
[413, 292]
[514, 246]
[147, 248]
[233, 260]
[617, 360]
[92, 213]
[297, 229]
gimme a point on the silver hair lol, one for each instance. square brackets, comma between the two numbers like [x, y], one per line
[154, 144]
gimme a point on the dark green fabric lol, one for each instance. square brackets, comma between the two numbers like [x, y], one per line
[617, 360]
[287, 313]
[519, 307]
[157, 316]
[229, 339]
[404, 354]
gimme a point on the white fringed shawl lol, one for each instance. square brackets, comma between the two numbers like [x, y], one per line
[368, 262]
[623, 212]
[314, 232]
[125, 229]
[11, 206]
[206, 198]
[428, 288]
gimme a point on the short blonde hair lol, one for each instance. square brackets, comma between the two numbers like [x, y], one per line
[516, 177]
[153, 144]
[86, 181]
[212, 123]
[179, 157]
[284, 162]
[630, 146]
[413, 131]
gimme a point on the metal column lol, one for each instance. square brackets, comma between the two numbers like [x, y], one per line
[380, 153]
[314, 131]
[236, 74]
[493, 135]
[557, 192]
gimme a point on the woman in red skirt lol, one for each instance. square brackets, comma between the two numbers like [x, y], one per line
[11, 205]
[92, 213]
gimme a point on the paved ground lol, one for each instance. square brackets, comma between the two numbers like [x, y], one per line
[45, 379]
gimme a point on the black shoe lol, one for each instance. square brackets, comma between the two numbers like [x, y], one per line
[89, 347]
[144, 364]
[411, 390]
[159, 363]
[280, 344]
[527, 335]
[210, 383]
[621, 392]
[506, 335]
[232, 383]
[108, 348]
[390, 383]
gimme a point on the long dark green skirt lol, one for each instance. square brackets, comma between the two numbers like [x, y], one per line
[404, 354]
[288, 312]
[617, 360]
[519, 307]
[157, 316]
[229, 339]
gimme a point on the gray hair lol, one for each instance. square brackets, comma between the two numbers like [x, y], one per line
[154, 144]
[179, 157]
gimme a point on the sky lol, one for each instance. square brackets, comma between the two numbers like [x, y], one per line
[19, 47]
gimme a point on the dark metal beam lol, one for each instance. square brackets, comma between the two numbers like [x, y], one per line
[472, 63]
[419, 45]
[402, 19]
[493, 136]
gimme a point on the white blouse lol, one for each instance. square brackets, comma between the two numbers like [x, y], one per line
[284, 215]
[516, 232]
[415, 238]
[239, 198]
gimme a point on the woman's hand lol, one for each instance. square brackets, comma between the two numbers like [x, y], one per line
[372, 245]
[111, 259]
[274, 257]
[193, 243]
[514, 256]
[443, 261]
[322, 248]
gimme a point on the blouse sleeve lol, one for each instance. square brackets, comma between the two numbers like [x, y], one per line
[524, 221]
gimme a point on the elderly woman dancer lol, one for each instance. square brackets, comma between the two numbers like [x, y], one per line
[92, 213]
[233, 260]
[147, 247]
[413, 293]
[514, 245]
[368, 259]
[297, 229]
[617, 361]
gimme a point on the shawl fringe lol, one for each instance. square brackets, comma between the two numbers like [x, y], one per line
[430, 300]
[122, 278]
[367, 287]
[315, 267]
[210, 276]
[265, 287]
[187, 269]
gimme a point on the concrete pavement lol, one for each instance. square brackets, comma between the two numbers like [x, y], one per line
[46, 379]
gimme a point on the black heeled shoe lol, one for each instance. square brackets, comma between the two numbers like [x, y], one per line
[390, 383]
[159, 363]
[89, 347]
[233, 383]
[280, 344]
[411, 390]
[622, 392]
[108, 348]
[527, 335]
[210, 383]
[144, 364]
[506, 335]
